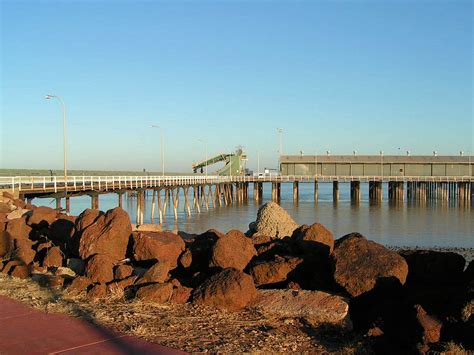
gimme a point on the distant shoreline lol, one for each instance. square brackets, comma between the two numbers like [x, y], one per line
[76, 172]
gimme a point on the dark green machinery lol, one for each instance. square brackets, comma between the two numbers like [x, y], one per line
[234, 163]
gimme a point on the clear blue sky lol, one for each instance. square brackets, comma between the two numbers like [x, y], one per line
[335, 75]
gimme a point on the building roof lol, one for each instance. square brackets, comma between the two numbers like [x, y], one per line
[387, 159]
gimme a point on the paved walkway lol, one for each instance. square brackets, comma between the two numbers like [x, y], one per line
[24, 330]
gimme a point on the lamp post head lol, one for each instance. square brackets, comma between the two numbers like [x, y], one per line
[49, 97]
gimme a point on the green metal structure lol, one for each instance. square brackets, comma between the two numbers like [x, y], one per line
[234, 164]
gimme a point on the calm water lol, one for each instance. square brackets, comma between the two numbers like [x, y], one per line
[434, 223]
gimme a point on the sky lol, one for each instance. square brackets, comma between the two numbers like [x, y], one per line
[334, 75]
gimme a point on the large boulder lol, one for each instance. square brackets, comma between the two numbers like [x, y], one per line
[109, 235]
[42, 216]
[157, 273]
[78, 285]
[272, 220]
[18, 228]
[314, 306]
[360, 264]
[23, 251]
[157, 293]
[100, 268]
[198, 250]
[229, 289]
[314, 239]
[87, 218]
[274, 271]
[53, 257]
[123, 271]
[234, 250]
[6, 244]
[161, 246]
[434, 267]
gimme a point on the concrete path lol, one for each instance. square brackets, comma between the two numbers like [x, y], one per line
[24, 330]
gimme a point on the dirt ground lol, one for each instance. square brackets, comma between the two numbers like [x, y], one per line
[190, 328]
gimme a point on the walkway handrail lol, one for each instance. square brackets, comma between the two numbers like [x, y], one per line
[54, 184]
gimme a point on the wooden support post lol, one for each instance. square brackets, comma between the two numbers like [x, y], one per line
[255, 191]
[295, 192]
[160, 208]
[58, 203]
[187, 208]
[120, 199]
[355, 191]
[316, 191]
[335, 191]
[175, 196]
[94, 201]
[153, 206]
[68, 204]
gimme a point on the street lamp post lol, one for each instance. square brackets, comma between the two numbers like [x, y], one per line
[63, 106]
[280, 150]
[162, 149]
[205, 146]
[258, 162]
[381, 163]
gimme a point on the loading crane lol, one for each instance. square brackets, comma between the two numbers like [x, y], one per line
[234, 163]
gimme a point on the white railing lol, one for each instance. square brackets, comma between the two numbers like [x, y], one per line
[106, 183]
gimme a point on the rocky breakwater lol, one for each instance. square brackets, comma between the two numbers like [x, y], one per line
[405, 301]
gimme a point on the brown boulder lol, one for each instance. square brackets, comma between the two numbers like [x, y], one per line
[5, 207]
[158, 293]
[54, 257]
[100, 268]
[18, 228]
[359, 264]
[161, 246]
[62, 230]
[157, 273]
[314, 306]
[431, 327]
[109, 235]
[20, 271]
[314, 239]
[434, 267]
[229, 289]
[42, 216]
[181, 295]
[23, 251]
[117, 288]
[78, 285]
[122, 272]
[6, 244]
[97, 292]
[234, 250]
[87, 218]
[277, 270]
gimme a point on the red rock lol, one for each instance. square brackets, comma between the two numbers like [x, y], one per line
[5, 207]
[8, 195]
[79, 285]
[181, 295]
[161, 246]
[19, 203]
[314, 239]
[87, 218]
[62, 229]
[375, 332]
[317, 307]
[30, 207]
[9, 265]
[117, 288]
[122, 271]
[229, 289]
[186, 259]
[100, 268]
[261, 239]
[20, 271]
[431, 326]
[175, 282]
[359, 264]
[109, 235]
[157, 273]
[98, 291]
[54, 257]
[42, 216]
[277, 270]
[6, 244]
[158, 293]
[429, 266]
[18, 228]
[234, 250]
[23, 251]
